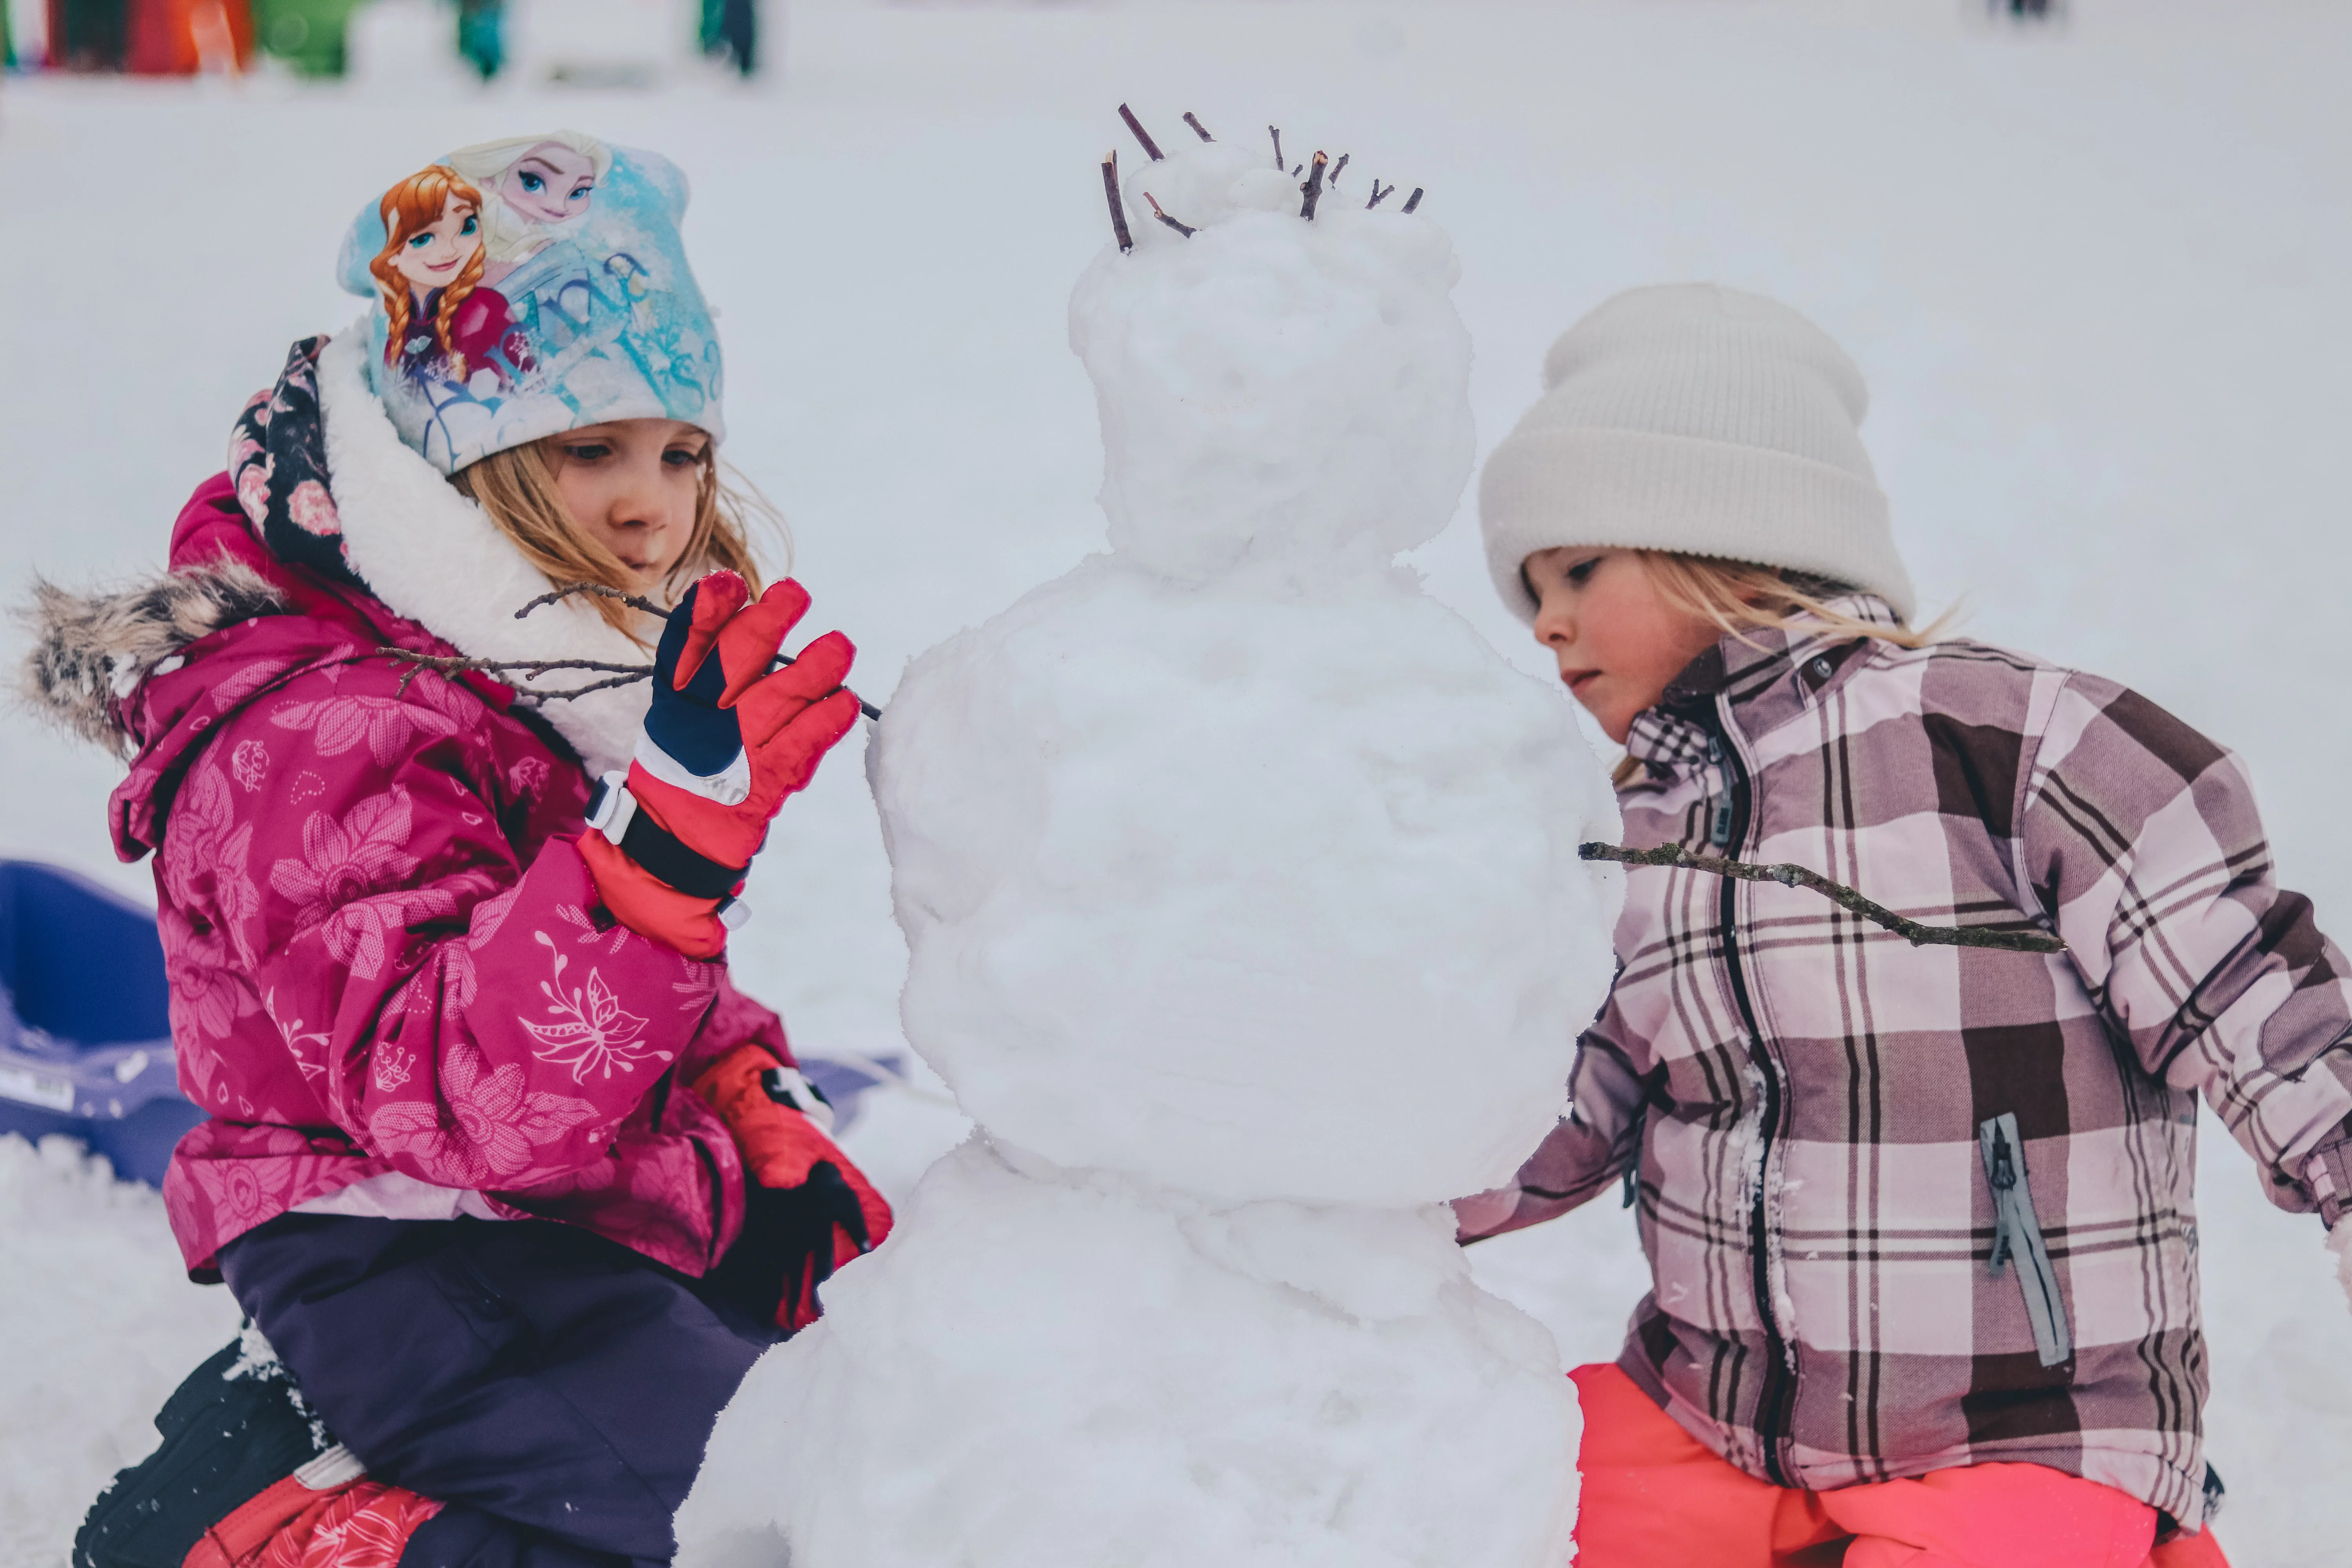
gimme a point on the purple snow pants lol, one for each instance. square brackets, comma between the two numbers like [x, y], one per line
[552, 1388]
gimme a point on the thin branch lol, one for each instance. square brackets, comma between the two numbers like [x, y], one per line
[1675, 856]
[1379, 193]
[519, 673]
[1313, 188]
[1151, 148]
[1413, 200]
[1279, 163]
[1118, 208]
[526, 669]
[1338, 167]
[1199, 128]
[1186, 229]
[634, 601]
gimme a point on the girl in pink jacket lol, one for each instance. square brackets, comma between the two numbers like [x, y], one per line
[509, 1178]
[1921, 1219]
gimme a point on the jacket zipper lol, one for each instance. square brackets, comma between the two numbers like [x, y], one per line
[2017, 1233]
[1727, 830]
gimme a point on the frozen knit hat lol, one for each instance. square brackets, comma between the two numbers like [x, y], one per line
[528, 287]
[1699, 419]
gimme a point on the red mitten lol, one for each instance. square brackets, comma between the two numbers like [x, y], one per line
[810, 1210]
[725, 742]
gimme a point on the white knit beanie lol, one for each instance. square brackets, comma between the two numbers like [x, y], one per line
[1699, 419]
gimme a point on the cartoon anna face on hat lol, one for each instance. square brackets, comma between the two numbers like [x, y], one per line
[441, 320]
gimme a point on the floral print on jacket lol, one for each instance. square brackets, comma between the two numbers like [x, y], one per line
[386, 956]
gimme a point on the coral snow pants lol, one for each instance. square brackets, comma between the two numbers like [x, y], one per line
[552, 1388]
[1653, 1497]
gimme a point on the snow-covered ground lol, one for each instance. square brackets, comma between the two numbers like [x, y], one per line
[2094, 274]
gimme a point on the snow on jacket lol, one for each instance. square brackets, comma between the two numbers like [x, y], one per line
[391, 983]
[1834, 1130]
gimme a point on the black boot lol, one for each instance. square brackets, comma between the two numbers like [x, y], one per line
[235, 1428]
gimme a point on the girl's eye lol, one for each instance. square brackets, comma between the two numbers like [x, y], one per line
[580, 194]
[419, 241]
[681, 458]
[587, 451]
[469, 226]
[1582, 573]
[532, 182]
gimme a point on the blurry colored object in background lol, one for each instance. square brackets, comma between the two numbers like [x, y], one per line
[146, 37]
[181, 37]
[85, 1024]
[88, 35]
[481, 36]
[308, 35]
[730, 31]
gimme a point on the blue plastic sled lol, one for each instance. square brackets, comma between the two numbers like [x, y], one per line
[85, 1021]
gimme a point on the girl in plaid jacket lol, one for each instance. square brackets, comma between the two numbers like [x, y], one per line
[1921, 1220]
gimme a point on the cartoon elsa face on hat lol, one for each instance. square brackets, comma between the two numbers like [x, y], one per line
[531, 186]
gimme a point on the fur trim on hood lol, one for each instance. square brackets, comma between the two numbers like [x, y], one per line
[90, 651]
[420, 548]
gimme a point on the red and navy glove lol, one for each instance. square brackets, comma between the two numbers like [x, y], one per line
[726, 741]
[807, 1210]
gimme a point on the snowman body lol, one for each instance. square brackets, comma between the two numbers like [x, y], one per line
[1245, 916]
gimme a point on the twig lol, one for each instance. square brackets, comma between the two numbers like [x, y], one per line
[520, 673]
[634, 601]
[1789, 876]
[1199, 128]
[1379, 193]
[1313, 188]
[1186, 229]
[1279, 163]
[1337, 167]
[528, 669]
[1151, 148]
[1118, 208]
[1413, 200]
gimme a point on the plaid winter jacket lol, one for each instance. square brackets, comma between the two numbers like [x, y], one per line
[1912, 1207]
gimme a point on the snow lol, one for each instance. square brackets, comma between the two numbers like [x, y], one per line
[2093, 273]
[1054, 1369]
[1256, 893]
[99, 1323]
[1323, 421]
[1240, 884]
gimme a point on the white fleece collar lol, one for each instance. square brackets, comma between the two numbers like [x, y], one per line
[430, 555]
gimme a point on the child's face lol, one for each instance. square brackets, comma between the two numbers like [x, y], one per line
[431, 256]
[633, 484]
[1618, 643]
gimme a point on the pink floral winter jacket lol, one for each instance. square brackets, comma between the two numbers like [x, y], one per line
[392, 983]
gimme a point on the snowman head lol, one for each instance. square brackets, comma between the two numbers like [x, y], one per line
[1274, 388]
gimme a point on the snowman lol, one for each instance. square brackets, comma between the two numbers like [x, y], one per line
[1245, 919]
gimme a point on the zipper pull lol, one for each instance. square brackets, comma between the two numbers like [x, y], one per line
[2003, 1177]
[1718, 833]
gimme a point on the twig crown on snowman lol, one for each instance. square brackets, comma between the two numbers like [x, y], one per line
[1321, 422]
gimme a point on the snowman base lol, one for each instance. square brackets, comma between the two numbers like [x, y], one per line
[1052, 1367]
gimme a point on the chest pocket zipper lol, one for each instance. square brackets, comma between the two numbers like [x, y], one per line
[2016, 1236]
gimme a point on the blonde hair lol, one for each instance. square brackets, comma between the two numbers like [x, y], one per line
[517, 491]
[1739, 598]
[508, 236]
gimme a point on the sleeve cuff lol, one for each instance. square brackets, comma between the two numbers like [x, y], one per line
[2327, 1172]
